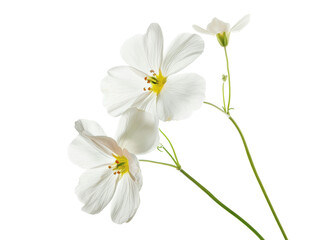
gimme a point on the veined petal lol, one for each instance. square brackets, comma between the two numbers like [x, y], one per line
[201, 30]
[125, 201]
[121, 88]
[138, 131]
[182, 51]
[96, 189]
[134, 53]
[135, 170]
[88, 127]
[87, 155]
[218, 26]
[154, 46]
[241, 23]
[88, 152]
[181, 95]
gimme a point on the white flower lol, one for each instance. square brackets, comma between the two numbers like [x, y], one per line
[113, 169]
[149, 84]
[222, 30]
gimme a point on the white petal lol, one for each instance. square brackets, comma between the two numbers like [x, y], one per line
[146, 102]
[135, 170]
[134, 53]
[182, 51]
[200, 30]
[121, 88]
[218, 26]
[89, 151]
[180, 96]
[154, 46]
[96, 189]
[138, 131]
[126, 200]
[86, 155]
[241, 24]
[89, 127]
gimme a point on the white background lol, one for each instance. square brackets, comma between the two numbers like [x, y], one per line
[53, 55]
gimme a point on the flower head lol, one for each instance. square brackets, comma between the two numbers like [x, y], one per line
[113, 169]
[222, 30]
[149, 83]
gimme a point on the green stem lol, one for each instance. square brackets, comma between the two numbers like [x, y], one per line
[224, 95]
[166, 164]
[221, 204]
[258, 179]
[214, 106]
[229, 87]
[177, 164]
[171, 147]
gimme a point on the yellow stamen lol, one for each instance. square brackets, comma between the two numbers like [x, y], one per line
[120, 166]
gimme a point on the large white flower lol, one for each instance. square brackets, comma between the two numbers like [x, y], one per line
[113, 169]
[222, 30]
[149, 84]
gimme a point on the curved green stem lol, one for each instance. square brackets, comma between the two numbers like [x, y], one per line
[166, 164]
[229, 86]
[171, 147]
[177, 164]
[258, 179]
[221, 204]
[208, 103]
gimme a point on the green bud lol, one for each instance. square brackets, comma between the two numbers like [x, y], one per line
[224, 77]
[223, 38]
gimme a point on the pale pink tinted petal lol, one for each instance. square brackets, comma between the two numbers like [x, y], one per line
[96, 189]
[138, 131]
[182, 51]
[135, 170]
[180, 96]
[126, 200]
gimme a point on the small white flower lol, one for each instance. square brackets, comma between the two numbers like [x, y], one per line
[149, 84]
[222, 30]
[113, 169]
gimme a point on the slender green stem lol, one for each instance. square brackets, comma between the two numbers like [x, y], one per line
[221, 204]
[258, 179]
[166, 164]
[171, 147]
[224, 95]
[208, 103]
[229, 87]
[177, 164]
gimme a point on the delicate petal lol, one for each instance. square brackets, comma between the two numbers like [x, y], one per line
[89, 151]
[241, 23]
[121, 89]
[135, 170]
[154, 46]
[86, 154]
[134, 53]
[217, 26]
[126, 200]
[146, 102]
[138, 131]
[181, 95]
[200, 30]
[96, 189]
[88, 127]
[182, 51]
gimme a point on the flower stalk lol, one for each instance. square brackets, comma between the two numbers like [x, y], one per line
[215, 199]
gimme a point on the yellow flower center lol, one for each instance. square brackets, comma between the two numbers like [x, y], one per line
[120, 166]
[157, 82]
